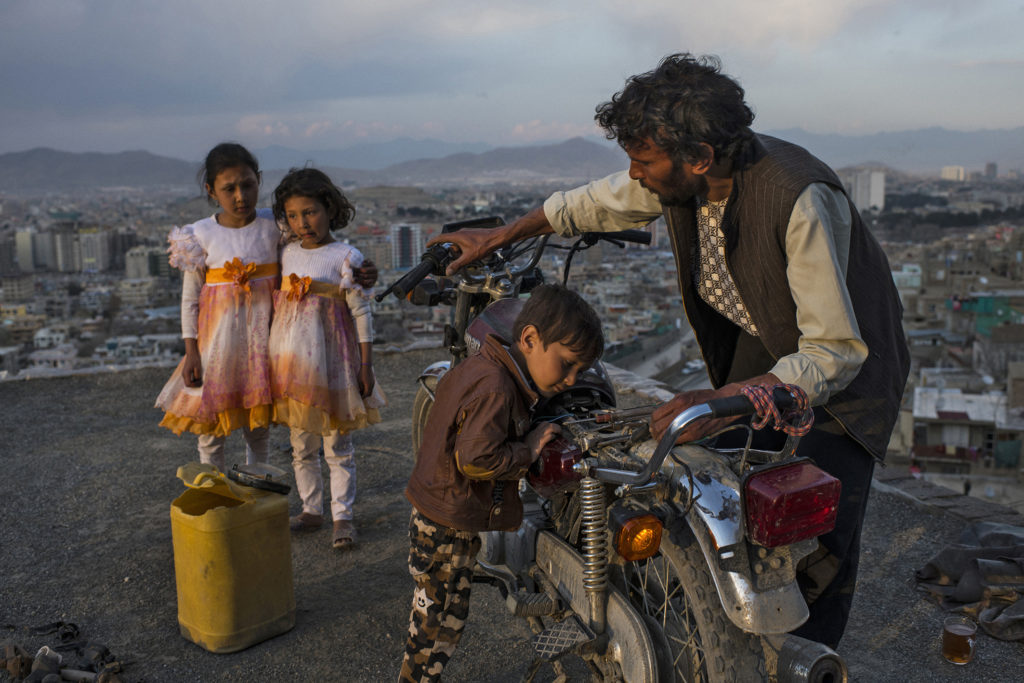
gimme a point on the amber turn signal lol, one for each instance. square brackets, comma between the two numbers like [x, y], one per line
[639, 538]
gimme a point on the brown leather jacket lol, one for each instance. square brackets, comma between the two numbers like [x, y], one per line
[473, 452]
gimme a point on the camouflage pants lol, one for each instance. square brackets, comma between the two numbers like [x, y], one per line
[441, 562]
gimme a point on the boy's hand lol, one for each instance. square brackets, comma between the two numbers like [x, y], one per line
[541, 435]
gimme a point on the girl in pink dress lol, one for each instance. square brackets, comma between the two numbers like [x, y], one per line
[230, 274]
[321, 355]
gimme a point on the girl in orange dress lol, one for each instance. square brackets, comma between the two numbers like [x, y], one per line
[230, 264]
[321, 356]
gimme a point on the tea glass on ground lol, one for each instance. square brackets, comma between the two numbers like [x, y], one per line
[958, 637]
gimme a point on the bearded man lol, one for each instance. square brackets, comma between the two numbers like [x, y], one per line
[780, 279]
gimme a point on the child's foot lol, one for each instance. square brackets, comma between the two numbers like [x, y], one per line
[344, 534]
[305, 521]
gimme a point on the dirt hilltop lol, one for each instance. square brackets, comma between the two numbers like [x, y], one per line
[86, 539]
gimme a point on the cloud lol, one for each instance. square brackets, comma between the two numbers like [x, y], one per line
[105, 73]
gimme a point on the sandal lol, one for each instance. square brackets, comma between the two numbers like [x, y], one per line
[344, 534]
[305, 521]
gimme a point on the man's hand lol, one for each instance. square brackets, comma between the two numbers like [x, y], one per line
[476, 243]
[539, 436]
[366, 274]
[473, 244]
[663, 415]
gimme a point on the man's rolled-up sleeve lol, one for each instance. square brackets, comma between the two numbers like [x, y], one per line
[483, 447]
[610, 204]
[831, 350]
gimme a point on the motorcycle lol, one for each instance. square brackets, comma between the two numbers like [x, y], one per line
[648, 560]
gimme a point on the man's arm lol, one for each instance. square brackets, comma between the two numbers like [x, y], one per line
[614, 203]
[831, 350]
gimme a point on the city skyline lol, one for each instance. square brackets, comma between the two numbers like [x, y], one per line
[178, 77]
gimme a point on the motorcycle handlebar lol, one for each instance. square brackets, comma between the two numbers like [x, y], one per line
[434, 261]
[729, 406]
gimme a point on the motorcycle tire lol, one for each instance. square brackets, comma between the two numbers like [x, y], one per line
[421, 405]
[694, 640]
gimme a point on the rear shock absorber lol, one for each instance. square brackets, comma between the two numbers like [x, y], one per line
[595, 550]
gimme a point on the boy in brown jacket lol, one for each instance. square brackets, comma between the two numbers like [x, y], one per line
[476, 447]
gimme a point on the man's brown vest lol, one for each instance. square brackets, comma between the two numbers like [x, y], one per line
[765, 188]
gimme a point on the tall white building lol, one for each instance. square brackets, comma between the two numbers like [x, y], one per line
[94, 245]
[24, 249]
[143, 261]
[957, 173]
[866, 189]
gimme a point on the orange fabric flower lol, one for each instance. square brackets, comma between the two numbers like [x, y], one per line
[298, 287]
[238, 272]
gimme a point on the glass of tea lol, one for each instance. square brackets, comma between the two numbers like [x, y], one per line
[958, 637]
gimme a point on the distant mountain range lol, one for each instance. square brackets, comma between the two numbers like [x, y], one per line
[923, 151]
[46, 170]
[436, 163]
[372, 156]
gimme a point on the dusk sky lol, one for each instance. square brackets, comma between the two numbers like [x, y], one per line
[178, 76]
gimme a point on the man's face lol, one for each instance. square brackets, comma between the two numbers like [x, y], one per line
[653, 168]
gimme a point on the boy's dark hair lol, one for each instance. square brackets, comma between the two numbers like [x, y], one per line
[314, 184]
[562, 316]
[684, 102]
[225, 155]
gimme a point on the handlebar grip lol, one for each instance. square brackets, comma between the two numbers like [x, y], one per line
[635, 236]
[730, 406]
[412, 278]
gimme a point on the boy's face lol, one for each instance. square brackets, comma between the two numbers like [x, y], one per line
[552, 368]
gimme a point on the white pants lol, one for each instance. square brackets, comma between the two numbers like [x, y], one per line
[341, 463]
[257, 447]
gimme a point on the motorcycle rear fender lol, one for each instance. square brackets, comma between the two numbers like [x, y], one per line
[629, 644]
[432, 374]
[715, 517]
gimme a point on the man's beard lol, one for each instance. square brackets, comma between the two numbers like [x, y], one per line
[681, 190]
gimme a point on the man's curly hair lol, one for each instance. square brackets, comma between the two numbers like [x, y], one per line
[682, 103]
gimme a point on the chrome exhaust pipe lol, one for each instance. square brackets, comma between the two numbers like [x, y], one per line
[805, 661]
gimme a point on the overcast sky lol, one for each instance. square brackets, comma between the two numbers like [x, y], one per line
[177, 76]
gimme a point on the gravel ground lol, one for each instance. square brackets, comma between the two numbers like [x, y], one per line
[86, 539]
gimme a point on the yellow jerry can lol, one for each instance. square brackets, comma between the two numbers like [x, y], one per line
[232, 561]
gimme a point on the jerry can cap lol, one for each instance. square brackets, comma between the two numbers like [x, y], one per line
[197, 475]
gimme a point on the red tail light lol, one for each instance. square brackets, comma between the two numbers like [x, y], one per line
[553, 470]
[790, 503]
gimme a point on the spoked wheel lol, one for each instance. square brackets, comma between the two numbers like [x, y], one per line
[694, 640]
